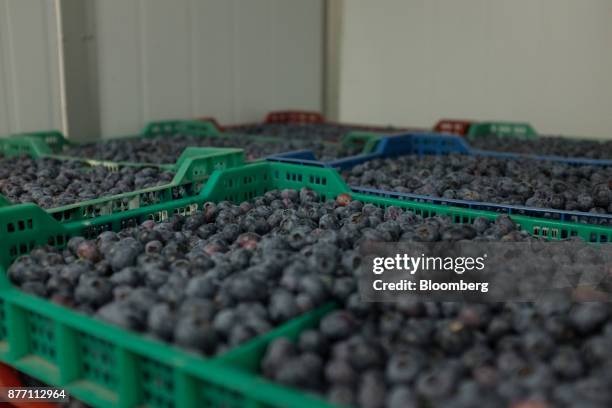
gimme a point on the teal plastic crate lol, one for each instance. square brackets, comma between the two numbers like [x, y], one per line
[105, 366]
[192, 169]
[38, 144]
[517, 130]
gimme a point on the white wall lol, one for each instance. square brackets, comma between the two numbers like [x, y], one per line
[232, 59]
[29, 79]
[411, 62]
[157, 59]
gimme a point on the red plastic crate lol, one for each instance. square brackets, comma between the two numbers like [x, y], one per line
[9, 377]
[306, 117]
[295, 117]
[454, 126]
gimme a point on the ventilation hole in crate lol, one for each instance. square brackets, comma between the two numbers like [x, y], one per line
[42, 336]
[10, 227]
[593, 237]
[218, 397]
[157, 384]
[98, 361]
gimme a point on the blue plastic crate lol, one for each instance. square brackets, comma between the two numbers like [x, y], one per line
[442, 144]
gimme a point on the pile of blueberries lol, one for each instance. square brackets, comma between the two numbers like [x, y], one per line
[526, 182]
[167, 149]
[53, 183]
[304, 131]
[444, 354]
[547, 145]
[215, 279]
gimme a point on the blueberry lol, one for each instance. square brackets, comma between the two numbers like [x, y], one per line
[341, 395]
[427, 233]
[340, 371]
[538, 343]
[124, 253]
[402, 397]
[244, 288]
[155, 277]
[402, 368]
[372, 390]
[201, 286]
[154, 246]
[195, 333]
[25, 270]
[313, 286]
[225, 320]
[202, 308]
[337, 325]
[291, 372]
[240, 333]
[510, 363]
[436, 383]
[73, 244]
[587, 317]
[142, 299]
[92, 290]
[312, 341]
[453, 336]
[127, 276]
[596, 349]
[161, 321]
[248, 240]
[279, 351]
[36, 288]
[476, 356]
[121, 314]
[282, 306]
[568, 363]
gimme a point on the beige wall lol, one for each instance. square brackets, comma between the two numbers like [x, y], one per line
[29, 77]
[411, 62]
[233, 59]
[140, 60]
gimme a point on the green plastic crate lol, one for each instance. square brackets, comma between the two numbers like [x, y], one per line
[51, 143]
[515, 130]
[41, 144]
[4, 201]
[193, 168]
[108, 366]
[367, 140]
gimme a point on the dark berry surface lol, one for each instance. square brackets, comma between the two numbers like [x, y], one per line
[211, 281]
[52, 183]
[304, 131]
[442, 354]
[216, 279]
[167, 149]
[519, 182]
[548, 145]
